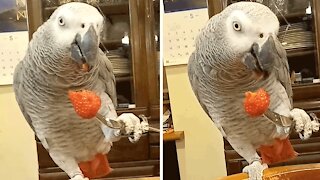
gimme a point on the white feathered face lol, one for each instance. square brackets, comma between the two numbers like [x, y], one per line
[78, 27]
[243, 31]
[251, 35]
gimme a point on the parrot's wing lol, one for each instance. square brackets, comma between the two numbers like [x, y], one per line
[282, 70]
[106, 74]
[193, 72]
[17, 87]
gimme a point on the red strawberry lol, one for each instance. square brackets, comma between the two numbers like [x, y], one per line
[256, 103]
[85, 103]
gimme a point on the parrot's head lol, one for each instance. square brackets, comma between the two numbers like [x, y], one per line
[244, 32]
[76, 29]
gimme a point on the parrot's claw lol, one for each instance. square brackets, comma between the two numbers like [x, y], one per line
[131, 127]
[315, 123]
[144, 124]
[255, 170]
[303, 123]
[79, 177]
[136, 135]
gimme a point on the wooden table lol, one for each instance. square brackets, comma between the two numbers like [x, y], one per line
[145, 178]
[173, 136]
[295, 172]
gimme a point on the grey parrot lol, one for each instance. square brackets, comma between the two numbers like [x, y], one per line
[238, 51]
[52, 66]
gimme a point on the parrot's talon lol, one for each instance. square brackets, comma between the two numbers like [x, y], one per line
[79, 177]
[134, 138]
[315, 123]
[137, 134]
[301, 136]
[144, 123]
[255, 170]
[315, 126]
[144, 127]
[314, 117]
[117, 132]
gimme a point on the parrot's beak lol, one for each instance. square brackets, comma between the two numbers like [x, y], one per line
[84, 48]
[261, 60]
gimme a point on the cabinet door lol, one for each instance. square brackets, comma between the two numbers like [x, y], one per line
[152, 38]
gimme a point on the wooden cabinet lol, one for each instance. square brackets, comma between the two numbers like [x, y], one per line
[136, 66]
[302, 44]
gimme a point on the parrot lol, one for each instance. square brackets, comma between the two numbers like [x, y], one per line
[238, 51]
[64, 55]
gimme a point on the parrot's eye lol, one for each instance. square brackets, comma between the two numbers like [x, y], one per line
[261, 35]
[236, 26]
[61, 21]
[82, 25]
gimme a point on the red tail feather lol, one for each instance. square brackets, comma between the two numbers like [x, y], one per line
[281, 150]
[96, 168]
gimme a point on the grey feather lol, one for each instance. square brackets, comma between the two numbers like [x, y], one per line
[193, 69]
[282, 70]
[18, 75]
[106, 73]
